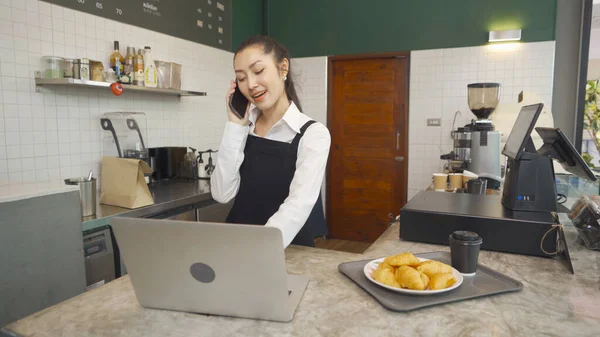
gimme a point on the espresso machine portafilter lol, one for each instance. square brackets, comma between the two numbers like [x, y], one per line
[460, 157]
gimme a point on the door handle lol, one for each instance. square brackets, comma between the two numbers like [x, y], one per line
[397, 140]
[400, 158]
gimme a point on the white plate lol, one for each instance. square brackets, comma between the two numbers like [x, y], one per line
[371, 266]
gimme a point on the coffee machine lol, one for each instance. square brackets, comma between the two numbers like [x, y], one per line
[460, 156]
[477, 145]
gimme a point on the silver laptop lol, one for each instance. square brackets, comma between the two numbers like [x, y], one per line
[209, 268]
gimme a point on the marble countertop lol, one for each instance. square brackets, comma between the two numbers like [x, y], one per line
[13, 192]
[553, 302]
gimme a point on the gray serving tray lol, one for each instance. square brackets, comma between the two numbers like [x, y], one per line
[485, 282]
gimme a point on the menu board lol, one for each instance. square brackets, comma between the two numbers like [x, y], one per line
[204, 21]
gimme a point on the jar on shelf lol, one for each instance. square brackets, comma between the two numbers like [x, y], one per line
[76, 66]
[52, 67]
[109, 75]
[84, 69]
[68, 68]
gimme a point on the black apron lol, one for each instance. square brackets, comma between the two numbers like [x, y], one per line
[265, 178]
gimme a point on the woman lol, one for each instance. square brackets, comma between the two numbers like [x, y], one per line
[273, 160]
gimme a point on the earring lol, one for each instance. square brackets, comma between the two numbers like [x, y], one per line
[285, 78]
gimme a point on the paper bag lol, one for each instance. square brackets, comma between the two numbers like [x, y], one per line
[123, 183]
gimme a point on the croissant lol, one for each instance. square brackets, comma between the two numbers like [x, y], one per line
[441, 281]
[410, 278]
[403, 259]
[425, 280]
[381, 266]
[386, 276]
[385, 265]
[432, 267]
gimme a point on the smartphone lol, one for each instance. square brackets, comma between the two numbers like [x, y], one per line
[238, 102]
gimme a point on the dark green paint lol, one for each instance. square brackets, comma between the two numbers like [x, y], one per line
[248, 19]
[335, 27]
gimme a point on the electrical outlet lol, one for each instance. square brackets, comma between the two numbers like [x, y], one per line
[434, 121]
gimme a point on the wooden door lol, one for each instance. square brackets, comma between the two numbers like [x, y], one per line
[368, 121]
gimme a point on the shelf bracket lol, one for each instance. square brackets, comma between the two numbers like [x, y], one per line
[37, 74]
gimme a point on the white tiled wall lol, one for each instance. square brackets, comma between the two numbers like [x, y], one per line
[56, 134]
[438, 88]
[311, 79]
[311, 86]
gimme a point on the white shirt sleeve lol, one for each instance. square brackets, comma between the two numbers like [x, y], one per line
[313, 151]
[225, 179]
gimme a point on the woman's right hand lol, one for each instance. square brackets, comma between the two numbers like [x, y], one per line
[232, 116]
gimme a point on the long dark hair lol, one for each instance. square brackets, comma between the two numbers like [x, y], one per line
[280, 53]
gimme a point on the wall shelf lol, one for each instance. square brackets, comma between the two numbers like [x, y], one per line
[70, 82]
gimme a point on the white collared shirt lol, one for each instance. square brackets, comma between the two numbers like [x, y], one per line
[305, 187]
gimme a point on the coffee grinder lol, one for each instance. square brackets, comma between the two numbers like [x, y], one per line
[485, 141]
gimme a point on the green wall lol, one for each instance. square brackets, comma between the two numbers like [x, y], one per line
[335, 27]
[247, 19]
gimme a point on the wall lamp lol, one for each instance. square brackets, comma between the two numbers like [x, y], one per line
[505, 35]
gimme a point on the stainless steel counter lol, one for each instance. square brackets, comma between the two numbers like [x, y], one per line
[168, 195]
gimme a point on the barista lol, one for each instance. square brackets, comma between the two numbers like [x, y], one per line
[273, 160]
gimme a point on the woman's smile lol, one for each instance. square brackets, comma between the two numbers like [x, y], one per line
[259, 96]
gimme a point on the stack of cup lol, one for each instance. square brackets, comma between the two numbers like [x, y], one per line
[440, 182]
[468, 176]
[456, 181]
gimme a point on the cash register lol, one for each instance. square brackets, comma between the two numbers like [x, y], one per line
[523, 219]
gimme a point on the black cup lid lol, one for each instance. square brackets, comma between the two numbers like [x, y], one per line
[465, 236]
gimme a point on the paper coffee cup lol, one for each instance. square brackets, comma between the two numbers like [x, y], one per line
[439, 181]
[467, 177]
[464, 251]
[456, 180]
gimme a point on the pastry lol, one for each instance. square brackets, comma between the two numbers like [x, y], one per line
[385, 265]
[432, 267]
[406, 271]
[403, 259]
[425, 280]
[410, 278]
[386, 276]
[381, 266]
[441, 281]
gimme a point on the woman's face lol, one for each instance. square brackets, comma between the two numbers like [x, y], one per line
[259, 78]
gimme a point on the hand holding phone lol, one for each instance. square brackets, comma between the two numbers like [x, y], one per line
[237, 104]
